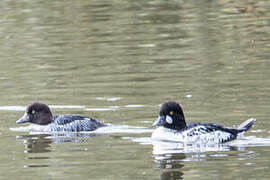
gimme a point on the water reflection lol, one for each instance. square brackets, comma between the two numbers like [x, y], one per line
[36, 143]
[171, 157]
[171, 175]
[169, 161]
[163, 150]
[160, 148]
[112, 56]
[171, 165]
[40, 143]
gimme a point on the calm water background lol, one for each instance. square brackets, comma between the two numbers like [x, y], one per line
[117, 61]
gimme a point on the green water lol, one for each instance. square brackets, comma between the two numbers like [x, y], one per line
[117, 61]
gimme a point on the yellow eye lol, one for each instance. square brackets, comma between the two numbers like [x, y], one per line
[171, 113]
[33, 112]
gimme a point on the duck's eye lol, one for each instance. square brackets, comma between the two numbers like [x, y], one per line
[33, 112]
[171, 113]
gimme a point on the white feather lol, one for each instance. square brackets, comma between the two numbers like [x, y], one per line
[193, 135]
[169, 120]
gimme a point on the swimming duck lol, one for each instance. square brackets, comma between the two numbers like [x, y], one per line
[40, 114]
[174, 127]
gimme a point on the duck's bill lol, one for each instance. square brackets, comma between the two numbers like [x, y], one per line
[23, 119]
[160, 121]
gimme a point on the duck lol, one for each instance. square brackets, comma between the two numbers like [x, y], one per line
[173, 127]
[39, 113]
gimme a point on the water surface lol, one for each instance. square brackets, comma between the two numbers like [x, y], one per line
[117, 61]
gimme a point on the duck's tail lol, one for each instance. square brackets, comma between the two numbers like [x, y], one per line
[246, 125]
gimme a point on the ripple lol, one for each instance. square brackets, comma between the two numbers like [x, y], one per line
[37, 129]
[134, 106]
[250, 141]
[147, 45]
[12, 108]
[110, 108]
[123, 129]
[113, 99]
[22, 108]
[166, 147]
[189, 96]
[108, 98]
[67, 107]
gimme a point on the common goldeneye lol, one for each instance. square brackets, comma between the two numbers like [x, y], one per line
[174, 128]
[40, 114]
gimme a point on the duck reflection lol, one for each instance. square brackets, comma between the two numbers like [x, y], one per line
[169, 161]
[41, 143]
[171, 165]
[171, 156]
[171, 175]
[36, 143]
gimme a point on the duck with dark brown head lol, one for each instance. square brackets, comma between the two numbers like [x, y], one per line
[40, 114]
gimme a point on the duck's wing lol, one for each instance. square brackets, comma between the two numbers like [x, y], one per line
[245, 126]
[75, 123]
[69, 118]
[210, 132]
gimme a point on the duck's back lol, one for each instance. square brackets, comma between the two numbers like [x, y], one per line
[74, 123]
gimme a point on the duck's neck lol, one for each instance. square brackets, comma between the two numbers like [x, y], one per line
[45, 119]
[177, 125]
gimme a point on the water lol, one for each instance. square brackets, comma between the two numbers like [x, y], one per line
[117, 61]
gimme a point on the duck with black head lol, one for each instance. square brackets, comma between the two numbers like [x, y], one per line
[173, 127]
[40, 114]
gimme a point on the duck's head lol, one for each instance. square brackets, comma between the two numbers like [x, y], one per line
[37, 113]
[171, 116]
